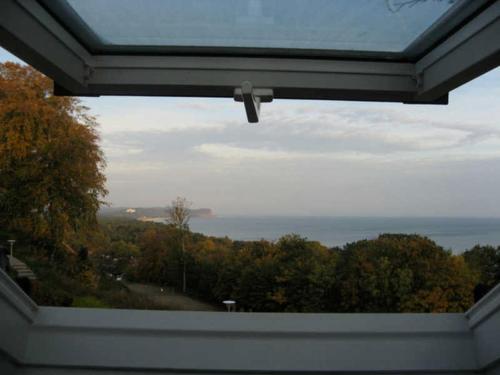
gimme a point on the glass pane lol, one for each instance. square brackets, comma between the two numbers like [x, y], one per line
[361, 25]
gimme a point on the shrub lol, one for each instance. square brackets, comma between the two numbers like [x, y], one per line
[88, 301]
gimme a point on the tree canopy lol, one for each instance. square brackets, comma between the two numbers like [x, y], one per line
[402, 273]
[484, 261]
[391, 273]
[51, 166]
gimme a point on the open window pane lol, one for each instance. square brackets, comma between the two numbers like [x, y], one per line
[379, 26]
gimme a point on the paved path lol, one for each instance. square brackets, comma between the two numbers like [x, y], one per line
[170, 300]
[21, 268]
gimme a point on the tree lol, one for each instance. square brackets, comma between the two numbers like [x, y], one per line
[305, 274]
[248, 275]
[485, 263]
[117, 258]
[158, 262]
[402, 273]
[51, 166]
[178, 215]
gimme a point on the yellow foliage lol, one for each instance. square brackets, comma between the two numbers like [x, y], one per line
[51, 166]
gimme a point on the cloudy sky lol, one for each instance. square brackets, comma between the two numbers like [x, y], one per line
[306, 157]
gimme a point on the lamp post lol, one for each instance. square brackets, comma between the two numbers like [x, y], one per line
[11, 242]
[230, 305]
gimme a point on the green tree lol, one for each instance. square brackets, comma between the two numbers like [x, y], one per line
[117, 258]
[160, 261]
[306, 272]
[209, 257]
[485, 263]
[248, 276]
[292, 275]
[51, 166]
[402, 273]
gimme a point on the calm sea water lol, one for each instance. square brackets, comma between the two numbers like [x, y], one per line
[457, 234]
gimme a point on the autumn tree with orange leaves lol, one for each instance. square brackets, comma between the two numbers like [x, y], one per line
[51, 166]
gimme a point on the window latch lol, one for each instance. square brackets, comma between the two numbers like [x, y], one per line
[252, 98]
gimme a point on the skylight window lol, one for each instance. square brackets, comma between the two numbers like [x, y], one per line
[257, 51]
[392, 27]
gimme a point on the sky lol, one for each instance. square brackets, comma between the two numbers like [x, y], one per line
[319, 158]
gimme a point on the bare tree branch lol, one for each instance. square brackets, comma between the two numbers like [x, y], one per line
[179, 213]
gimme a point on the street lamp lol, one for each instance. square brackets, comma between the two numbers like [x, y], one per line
[230, 304]
[11, 242]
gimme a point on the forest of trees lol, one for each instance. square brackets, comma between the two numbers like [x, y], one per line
[52, 185]
[392, 273]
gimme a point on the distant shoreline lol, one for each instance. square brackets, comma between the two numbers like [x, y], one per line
[457, 234]
[454, 233]
[150, 213]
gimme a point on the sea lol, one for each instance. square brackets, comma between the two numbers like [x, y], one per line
[456, 234]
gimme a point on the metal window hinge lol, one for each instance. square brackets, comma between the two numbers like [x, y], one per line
[252, 98]
[419, 79]
[87, 73]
